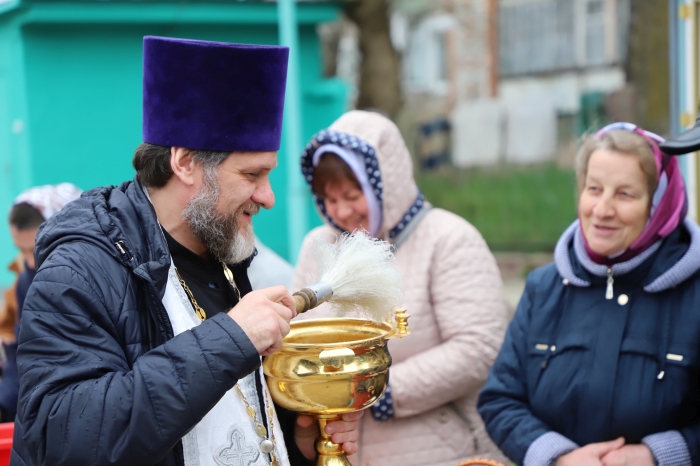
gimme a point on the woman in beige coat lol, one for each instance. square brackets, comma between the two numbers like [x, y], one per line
[361, 175]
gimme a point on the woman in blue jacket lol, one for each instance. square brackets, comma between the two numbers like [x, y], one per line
[601, 363]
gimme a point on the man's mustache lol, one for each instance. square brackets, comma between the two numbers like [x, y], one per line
[250, 207]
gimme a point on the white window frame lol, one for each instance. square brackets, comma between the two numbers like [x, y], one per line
[426, 50]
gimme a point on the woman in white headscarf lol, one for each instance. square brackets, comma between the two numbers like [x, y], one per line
[29, 210]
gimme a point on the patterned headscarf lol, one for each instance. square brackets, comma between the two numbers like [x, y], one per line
[49, 199]
[365, 160]
[669, 204]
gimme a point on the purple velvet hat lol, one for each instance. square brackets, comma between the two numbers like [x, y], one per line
[213, 95]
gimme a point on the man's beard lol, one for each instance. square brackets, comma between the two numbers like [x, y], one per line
[220, 234]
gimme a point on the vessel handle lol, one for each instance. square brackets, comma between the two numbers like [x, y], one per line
[401, 328]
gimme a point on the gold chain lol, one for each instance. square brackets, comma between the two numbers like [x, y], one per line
[197, 308]
[259, 428]
[229, 276]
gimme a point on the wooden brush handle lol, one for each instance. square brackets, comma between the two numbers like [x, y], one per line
[305, 299]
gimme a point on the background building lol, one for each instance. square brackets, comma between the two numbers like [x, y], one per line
[491, 95]
[70, 90]
[517, 80]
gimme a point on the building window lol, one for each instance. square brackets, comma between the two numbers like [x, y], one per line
[536, 37]
[595, 32]
[426, 61]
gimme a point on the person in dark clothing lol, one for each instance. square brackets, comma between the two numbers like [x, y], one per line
[601, 363]
[141, 338]
[29, 210]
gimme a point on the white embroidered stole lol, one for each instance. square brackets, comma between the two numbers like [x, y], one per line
[226, 435]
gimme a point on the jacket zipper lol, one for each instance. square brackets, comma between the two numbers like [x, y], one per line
[609, 288]
[472, 428]
[161, 313]
[166, 329]
[465, 418]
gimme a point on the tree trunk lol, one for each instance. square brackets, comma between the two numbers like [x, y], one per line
[380, 88]
[647, 63]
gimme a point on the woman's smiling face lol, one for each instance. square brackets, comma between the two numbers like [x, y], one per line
[346, 205]
[614, 203]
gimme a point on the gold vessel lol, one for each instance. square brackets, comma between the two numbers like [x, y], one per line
[327, 367]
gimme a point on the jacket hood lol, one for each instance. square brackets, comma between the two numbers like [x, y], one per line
[117, 219]
[673, 260]
[378, 143]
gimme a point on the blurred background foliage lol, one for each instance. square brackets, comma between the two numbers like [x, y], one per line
[514, 208]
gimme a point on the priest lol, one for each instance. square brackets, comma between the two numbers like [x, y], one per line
[141, 338]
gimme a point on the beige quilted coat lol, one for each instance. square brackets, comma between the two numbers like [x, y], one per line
[453, 291]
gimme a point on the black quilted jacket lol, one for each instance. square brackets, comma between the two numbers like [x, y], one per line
[102, 380]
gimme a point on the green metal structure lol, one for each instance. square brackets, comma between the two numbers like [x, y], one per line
[70, 93]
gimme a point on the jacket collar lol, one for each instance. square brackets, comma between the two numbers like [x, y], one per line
[118, 219]
[662, 266]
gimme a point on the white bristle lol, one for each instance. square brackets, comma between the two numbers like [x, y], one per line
[362, 272]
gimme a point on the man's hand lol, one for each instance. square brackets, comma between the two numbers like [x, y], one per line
[264, 316]
[590, 455]
[629, 455]
[343, 432]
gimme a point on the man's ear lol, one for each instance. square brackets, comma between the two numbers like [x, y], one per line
[184, 166]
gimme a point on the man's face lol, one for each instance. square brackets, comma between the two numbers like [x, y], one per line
[220, 213]
[24, 240]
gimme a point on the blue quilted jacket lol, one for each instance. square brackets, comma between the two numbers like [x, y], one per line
[102, 380]
[593, 369]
